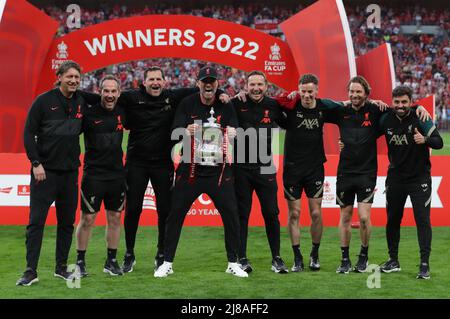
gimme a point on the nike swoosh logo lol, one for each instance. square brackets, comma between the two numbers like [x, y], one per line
[141, 102]
[244, 110]
[98, 122]
[194, 116]
[54, 108]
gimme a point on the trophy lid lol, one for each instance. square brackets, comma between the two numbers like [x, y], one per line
[212, 119]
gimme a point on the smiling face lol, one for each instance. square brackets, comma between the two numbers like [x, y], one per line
[69, 81]
[257, 87]
[402, 105]
[357, 94]
[308, 93]
[109, 94]
[208, 88]
[154, 83]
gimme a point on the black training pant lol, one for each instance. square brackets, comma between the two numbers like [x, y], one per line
[420, 195]
[185, 193]
[60, 187]
[161, 177]
[265, 186]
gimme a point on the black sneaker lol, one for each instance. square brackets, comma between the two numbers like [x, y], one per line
[298, 265]
[128, 263]
[112, 267]
[314, 263]
[82, 265]
[424, 271]
[28, 278]
[345, 267]
[245, 265]
[61, 272]
[391, 265]
[278, 266]
[159, 260]
[361, 265]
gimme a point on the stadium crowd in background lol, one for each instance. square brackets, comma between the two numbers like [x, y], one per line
[421, 60]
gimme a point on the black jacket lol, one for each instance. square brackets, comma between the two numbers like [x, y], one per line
[52, 129]
[359, 133]
[149, 120]
[262, 117]
[303, 145]
[408, 162]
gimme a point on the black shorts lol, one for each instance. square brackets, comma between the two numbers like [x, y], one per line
[296, 180]
[363, 186]
[111, 192]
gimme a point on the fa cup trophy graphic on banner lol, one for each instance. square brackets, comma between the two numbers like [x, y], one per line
[209, 149]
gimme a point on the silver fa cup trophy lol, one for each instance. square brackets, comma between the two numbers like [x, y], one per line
[209, 149]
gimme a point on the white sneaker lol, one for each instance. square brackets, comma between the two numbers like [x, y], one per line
[233, 268]
[164, 270]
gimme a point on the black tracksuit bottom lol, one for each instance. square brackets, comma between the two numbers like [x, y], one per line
[161, 177]
[420, 195]
[265, 185]
[60, 187]
[185, 193]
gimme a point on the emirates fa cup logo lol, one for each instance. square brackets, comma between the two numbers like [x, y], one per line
[275, 52]
[62, 51]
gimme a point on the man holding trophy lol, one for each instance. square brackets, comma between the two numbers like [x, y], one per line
[206, 126]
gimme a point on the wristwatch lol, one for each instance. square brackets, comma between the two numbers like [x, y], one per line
[35, 163]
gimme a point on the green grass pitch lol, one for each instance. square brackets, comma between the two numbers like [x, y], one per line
[200, 264]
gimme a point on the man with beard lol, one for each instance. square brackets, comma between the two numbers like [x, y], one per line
[51, 139]
[357, 169]
[104, 174]
[409, 140]
[210, 174]
[257, 116]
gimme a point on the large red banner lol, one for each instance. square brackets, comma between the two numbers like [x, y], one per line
[377, 67]
[320, 40]
[23, 48]
[175, 36]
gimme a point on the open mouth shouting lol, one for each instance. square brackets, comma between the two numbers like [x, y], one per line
[155, 89]
[109, 102]
[208, 91]
[256, 94]
[110, 99]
